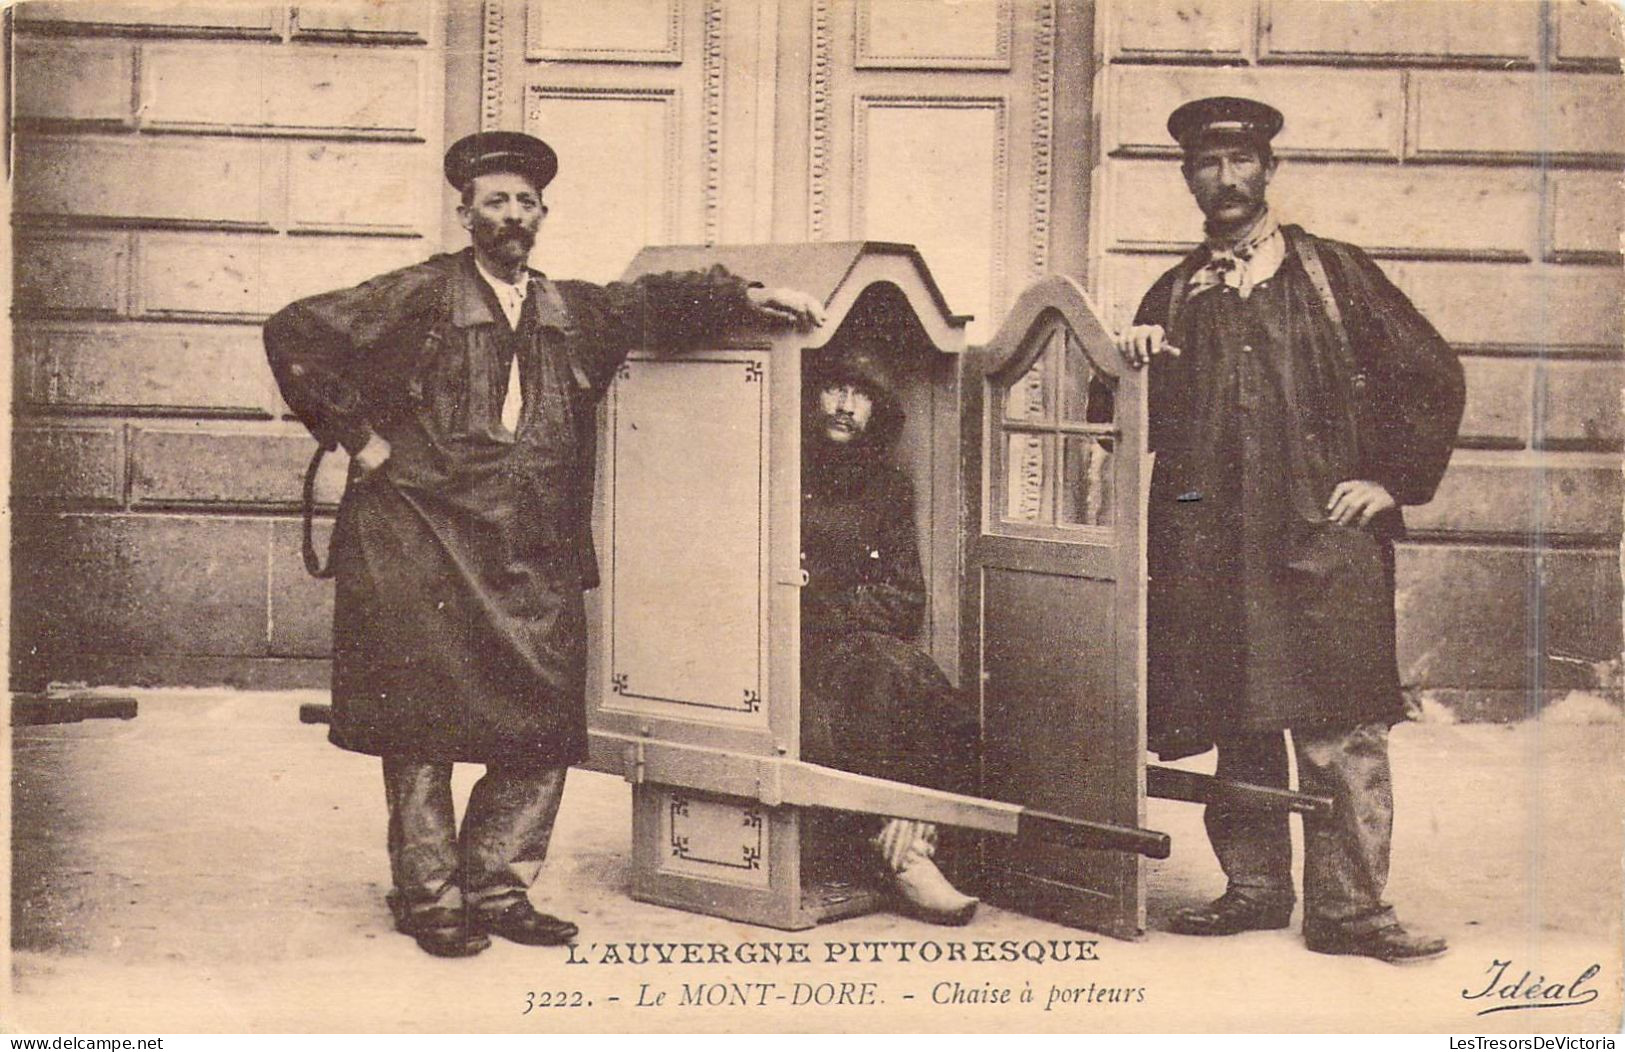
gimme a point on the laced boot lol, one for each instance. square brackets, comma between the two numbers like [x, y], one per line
[907, 847]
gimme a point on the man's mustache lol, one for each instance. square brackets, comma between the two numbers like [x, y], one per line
[1234, 199]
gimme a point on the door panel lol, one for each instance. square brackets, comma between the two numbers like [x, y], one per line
[934, 124]
[600, 215]
[1056, 577]
[691, 516]
[1049, 752]
[685, 590]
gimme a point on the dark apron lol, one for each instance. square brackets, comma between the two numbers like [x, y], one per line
[459, 631]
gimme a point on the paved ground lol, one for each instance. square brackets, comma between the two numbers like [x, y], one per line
[214, 865]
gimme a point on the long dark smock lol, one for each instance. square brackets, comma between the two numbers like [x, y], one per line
[872, 701]
[458, 625]
[1262, 614]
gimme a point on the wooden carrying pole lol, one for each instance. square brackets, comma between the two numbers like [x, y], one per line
[778, 781]
[775, 781]
[1169, 783]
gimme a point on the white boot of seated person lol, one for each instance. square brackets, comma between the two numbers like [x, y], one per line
[907, 848]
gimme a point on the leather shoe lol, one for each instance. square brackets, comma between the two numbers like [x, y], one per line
[522, 924]
[443, 932]
[1392, 944]
[1230, 914]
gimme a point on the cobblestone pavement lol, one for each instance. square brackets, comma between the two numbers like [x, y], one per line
[214, 865]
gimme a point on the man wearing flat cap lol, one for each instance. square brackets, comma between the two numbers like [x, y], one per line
[1297, 400]
[465, 389]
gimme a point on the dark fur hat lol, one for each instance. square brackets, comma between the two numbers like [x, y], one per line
[863, 367]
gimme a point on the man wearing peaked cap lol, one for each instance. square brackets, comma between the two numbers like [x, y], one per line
[1297, 400]
[465, 390]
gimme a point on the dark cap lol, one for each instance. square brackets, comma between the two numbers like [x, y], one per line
[1224, 115]
[500, 151]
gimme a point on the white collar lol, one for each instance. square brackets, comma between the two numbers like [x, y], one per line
[517, 288]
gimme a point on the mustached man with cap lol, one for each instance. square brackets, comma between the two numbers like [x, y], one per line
[465, 390]
[1297, 400]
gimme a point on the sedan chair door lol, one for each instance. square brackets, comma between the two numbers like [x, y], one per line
[1055, 609]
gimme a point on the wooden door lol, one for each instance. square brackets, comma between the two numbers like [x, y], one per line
[955, 127]
[1055, 599]
[962, 128]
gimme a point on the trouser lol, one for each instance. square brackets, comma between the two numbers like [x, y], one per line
[497, 856]
[1345, 864]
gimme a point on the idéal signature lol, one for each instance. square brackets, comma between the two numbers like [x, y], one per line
[1531, 990]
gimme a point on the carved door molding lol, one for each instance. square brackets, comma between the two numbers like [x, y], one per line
[957, 128]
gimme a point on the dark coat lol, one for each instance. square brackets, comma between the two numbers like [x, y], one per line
[1262, 615]
[458, 627]
[872, 701]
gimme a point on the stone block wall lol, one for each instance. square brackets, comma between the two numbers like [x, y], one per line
[184, 169]
[1475, 150]
[181, 172]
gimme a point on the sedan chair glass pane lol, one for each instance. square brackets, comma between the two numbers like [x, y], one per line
[1028, 468]
[1029, 399]
[1086, 481]
[1085, 397]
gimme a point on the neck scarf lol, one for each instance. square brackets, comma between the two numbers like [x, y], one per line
[1244, 261]
[511, 296]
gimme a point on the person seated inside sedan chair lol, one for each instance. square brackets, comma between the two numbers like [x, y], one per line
[872, 701]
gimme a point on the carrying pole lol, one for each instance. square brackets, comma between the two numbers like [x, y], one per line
[1168, 783]
[778, 781]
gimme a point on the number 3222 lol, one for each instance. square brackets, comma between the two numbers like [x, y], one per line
[554, 999]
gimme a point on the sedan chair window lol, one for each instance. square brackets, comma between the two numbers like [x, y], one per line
[1058, 438]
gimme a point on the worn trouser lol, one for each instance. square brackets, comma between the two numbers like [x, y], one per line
[1345, 856]
[498, 855]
